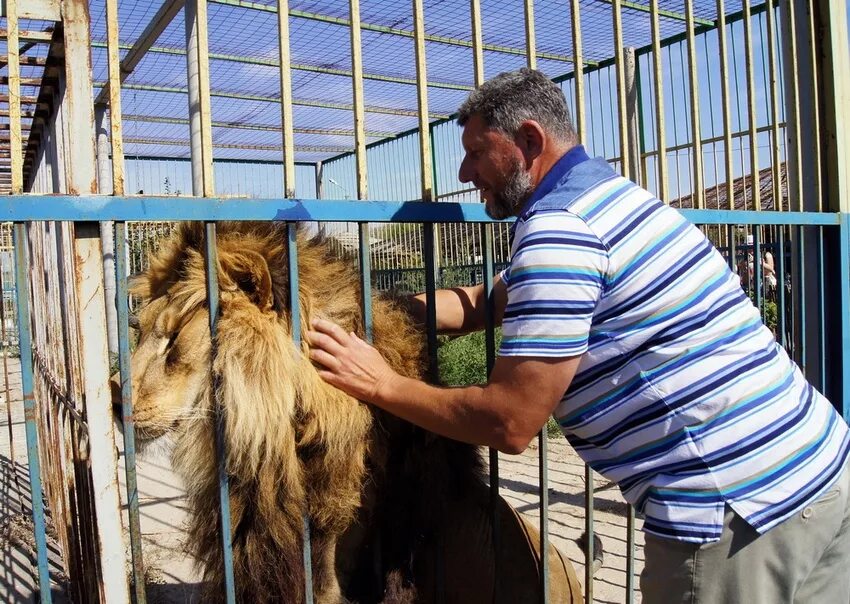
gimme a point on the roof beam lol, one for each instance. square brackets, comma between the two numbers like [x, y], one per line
[247, 147]
[155, 119]
[272, 99]
[394, 31]
[163, 17]
[298, 67]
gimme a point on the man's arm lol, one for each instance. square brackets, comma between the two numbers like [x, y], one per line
[461, 310]
[505, 414]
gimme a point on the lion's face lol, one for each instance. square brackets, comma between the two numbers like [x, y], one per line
[169, 368]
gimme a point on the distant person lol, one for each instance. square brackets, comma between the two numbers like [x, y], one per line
[621, 319]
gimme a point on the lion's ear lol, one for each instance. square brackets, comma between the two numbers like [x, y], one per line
[247, 271]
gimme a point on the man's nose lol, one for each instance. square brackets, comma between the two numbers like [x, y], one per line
[465, 173]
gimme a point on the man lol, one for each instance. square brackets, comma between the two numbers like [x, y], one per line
[621, 319]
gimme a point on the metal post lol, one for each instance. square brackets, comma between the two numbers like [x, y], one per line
[697, 187]
[633, 143]
[660, 131]
[755, 180]
[81, 179]
[104, 185]
[724, 101]
[197, 69]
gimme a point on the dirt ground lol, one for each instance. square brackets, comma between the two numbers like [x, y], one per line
[173, 579]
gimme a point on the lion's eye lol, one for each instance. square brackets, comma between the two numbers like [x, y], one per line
[171, 340]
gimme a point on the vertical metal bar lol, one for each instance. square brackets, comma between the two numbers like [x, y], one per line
[104, 184]
[211, 264]
[13, 63]
[632, 111]
[286, 99]
[757, 283]
[128, 421]
[619, 64]
[835, 86]
[115, 119]
[751, 105]
[360, 161]
[543, 491]
[776, 162]
[426, 176]
[30, 412]
[844, 298]
[780, 289]
[815, 89]
[730, 236]
[197, 68]
[477, 42]
[630, 555]
[793, 134]
[588, 531]
[98, 403]
[486, 235]
[295, 320]
[724, 101]
[530, 37]
[87, 271]
[801, 334]
[822, 310]
[697, 187]
[660, 133]
[578, 71]
[197, 61]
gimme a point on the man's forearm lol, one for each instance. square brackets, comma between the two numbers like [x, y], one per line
[469, 414]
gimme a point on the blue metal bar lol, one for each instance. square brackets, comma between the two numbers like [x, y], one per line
[128, 421]
[295, 321]
[486, 232]
[757, 284]
[822, 312]
[589, 550]
[136, 208]
[780, 290]
[844, 295]
[30, 412]
[801, 295]
[366, 280]
[543, 490]
[430, 294]
[730, 234]
[211, 261]
[630, 555]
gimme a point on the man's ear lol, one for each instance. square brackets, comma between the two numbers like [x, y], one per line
[248, 272]
[530, 139]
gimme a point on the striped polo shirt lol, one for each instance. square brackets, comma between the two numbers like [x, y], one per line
[682, 396]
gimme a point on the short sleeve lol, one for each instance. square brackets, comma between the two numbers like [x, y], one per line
[555, 281]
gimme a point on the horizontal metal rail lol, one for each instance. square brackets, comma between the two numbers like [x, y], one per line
[136, 208]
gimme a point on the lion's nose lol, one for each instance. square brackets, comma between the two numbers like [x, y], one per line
[115, 388]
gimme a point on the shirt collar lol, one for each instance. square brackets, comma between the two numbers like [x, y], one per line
[568, 161]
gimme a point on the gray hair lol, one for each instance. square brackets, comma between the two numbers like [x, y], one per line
[509, 99]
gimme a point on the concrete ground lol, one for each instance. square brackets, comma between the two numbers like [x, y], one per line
[18, 566]
[172, 576]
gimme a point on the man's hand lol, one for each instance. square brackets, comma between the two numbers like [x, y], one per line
[349, 363]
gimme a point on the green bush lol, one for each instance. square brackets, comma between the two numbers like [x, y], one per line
[463, 362]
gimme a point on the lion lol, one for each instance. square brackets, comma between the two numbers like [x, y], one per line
[395, 514]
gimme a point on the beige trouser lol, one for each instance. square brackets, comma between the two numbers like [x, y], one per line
[805, 559]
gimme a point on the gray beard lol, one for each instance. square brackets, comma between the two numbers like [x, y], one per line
[510, 200]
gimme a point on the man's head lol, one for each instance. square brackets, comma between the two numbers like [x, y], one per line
[515, 127]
